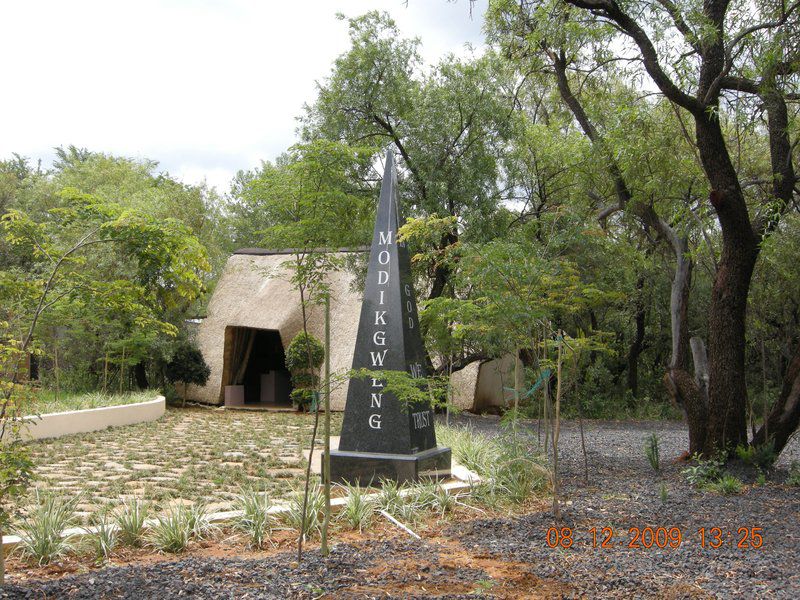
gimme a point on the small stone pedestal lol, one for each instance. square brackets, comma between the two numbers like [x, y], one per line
[368, 468]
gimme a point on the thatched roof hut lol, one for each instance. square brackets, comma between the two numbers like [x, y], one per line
[253, 315]
[255, 312]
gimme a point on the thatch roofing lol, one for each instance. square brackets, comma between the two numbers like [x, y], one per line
[255, 291]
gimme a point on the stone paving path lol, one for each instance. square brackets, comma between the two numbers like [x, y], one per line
[188, 455]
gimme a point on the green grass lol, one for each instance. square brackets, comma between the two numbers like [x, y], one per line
[45, 401]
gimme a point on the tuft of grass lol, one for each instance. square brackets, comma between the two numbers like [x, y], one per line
[475, 451]
[433, 497]
[103, 539]
[651, 452]
[256, 521]
[511, 472]
[389, 498]
[359, 510]
[197, 520]
[314, 511]
[663, 493]
[172, 531]
[726, 485]
[42, 529]
[46, 401]
[129, 519]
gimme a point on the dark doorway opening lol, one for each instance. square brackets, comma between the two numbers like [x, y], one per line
[257, 366]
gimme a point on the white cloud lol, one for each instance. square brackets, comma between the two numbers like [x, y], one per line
[204, 87]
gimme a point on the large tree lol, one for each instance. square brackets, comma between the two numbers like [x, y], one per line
[698, 55]
[448, 123]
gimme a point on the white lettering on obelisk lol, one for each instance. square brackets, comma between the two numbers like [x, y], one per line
[422, 419]
[379, 336]
[377, 358]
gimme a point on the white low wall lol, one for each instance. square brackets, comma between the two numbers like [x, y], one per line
[91, 419]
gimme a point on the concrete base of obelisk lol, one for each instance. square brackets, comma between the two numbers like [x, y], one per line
[368, 468]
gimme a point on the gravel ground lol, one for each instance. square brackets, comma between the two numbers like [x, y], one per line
[624, 492]
[509, 557]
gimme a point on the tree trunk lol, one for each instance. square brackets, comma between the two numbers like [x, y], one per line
[727, 390]
[637, 347]
[140, 373]
[784, 417]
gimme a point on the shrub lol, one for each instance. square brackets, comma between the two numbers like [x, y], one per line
[129, 520]
[187, 366]
[651, 451]
[761, 457]
[304, 357]
[303, 398]
[256, 520]
[300, 349]
[703, 472]
[42, 530]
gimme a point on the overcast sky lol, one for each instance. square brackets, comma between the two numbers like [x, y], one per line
[205, 87]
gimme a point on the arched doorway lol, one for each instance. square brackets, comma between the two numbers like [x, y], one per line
[255, 372]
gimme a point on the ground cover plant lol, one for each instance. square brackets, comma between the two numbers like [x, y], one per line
[211, 455]
[46, 401]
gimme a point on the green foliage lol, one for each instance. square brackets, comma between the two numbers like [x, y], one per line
[41, 531]
[390, 497]
[359, 509]
[726, 485]
[255, 521]
[172, 531]
[314, 512]
[129, 520]
[761, 457]
[16, 471]
[187, 366]
[704, 471]
[304, 353]
[663, 493]
[651, 451]
[311, 198]
[102, 538]
[511, 473]
[304, 357]
[408, 390]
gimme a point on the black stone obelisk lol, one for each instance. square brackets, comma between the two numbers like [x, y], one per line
[382, 437]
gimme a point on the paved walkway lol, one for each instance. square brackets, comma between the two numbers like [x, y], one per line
[188, 455]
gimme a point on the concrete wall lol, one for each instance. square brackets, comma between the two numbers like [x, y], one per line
[55, 425]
